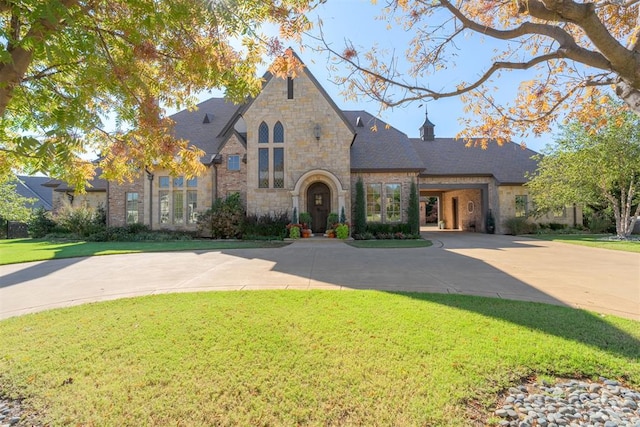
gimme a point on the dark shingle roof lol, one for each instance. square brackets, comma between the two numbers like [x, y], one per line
[95, 184]
[190, 125]
[447, 156]
[31, 187]
[385, 148]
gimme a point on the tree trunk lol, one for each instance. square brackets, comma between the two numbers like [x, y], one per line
[629, 94]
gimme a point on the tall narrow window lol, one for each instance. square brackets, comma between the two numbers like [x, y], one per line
[392, 208]
[374, 207]
[163, 201]
[263, 168]
[178, 207]
[289, 88]
[521, 206]
[192, 205]
[278, 168]
[263, 133]
[132, 208]
[278, 132]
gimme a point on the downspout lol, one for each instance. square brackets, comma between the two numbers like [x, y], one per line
[150, 178]
[575, 216]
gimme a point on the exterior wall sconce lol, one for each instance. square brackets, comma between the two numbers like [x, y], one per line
[316, 132]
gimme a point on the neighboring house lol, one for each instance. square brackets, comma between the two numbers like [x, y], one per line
[32, 188]
[292, 147]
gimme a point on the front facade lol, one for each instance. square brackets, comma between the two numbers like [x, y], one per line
[292, 148]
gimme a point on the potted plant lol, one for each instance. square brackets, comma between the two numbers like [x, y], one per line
[305, 220]
[332, 220]
[490, 223]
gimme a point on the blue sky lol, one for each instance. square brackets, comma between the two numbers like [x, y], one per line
[356, 20]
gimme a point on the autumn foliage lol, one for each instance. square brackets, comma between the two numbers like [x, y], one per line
[570, 54]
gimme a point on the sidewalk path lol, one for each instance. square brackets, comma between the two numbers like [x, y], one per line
[508, 267]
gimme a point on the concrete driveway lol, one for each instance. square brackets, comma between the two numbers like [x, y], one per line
[458, 263]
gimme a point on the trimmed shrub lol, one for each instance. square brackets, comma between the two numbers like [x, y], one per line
[343, 217]
[273, 227]
[517, 225]
[294, 232]
[225, 218]
[342, 231]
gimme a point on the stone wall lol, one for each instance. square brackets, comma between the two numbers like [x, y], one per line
[205, 194]
[330, 153]
[90, 199]
[508, 209]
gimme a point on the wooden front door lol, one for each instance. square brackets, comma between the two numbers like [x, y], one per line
[319, 206]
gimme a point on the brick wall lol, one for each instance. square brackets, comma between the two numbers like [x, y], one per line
[117, 211]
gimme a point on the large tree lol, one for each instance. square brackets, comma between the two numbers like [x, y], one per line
[595, 167]
[580, 49]
[68, 68]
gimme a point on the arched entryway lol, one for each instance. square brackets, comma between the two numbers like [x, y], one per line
[319, 206]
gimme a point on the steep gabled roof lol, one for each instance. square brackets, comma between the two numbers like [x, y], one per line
[385, 148]
[205, 126]
[32, 187]
[447, 156]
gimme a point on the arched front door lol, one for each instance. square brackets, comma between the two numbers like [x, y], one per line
[319, 206]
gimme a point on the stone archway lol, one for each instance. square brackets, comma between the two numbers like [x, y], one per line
[337, 193]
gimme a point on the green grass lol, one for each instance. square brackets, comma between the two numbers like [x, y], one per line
[299, 357]
[390, 244]
[593, 240]
[23, 250]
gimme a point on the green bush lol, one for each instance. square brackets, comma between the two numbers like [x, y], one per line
[81, 220]
[363, 236]
[517, 225]
[342, 231]
[305, 219]
[41, 223]
[294, 232]
[599, 223]
[225, 218]
[273, 227]
[332, 219]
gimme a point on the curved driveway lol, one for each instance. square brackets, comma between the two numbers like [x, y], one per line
[519, 268]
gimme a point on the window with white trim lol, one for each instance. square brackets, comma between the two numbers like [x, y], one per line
[233, 162]
[374, 202]
[132, 208]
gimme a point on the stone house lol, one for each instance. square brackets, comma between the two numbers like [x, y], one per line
[292, 147]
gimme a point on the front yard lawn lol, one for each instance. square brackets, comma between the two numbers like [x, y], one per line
[593, 240]
[300, 358]
[24, 250]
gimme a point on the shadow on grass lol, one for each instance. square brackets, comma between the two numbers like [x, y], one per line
[567, 323]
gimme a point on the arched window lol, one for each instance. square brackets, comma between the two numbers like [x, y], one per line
[278, 132]
[263, 133]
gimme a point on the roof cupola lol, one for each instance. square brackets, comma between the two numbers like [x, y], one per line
[427, 130]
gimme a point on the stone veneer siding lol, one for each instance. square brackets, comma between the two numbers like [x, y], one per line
[205, 191]
[90, 199]
[508, 195]
[402, 178]
[330, 154]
